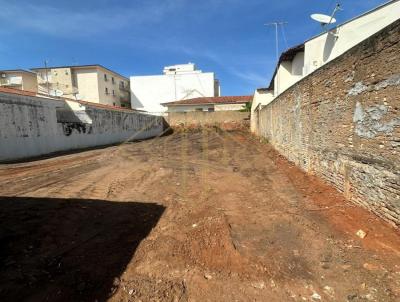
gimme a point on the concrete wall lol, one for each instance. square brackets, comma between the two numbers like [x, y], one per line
[206, 107]
[342, 123]
[207, 118]
[148, 92]
[33, 126]
[191, 108]
[229, 107]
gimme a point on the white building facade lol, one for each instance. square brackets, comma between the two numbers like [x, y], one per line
[178, 82]
[92, 83]
[304, 59]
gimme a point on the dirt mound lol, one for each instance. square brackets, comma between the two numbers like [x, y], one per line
[150, 290]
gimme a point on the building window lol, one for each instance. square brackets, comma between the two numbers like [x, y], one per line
[199, 109]
[113, 93]
[122, 84]
[106, 90]
[112, 80]
[210, 109]
[105, 77]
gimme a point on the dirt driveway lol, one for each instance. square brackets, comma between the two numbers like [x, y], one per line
[199, 216]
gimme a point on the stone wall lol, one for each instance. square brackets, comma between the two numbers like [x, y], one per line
[33, 126]
[202, 118]
[342, 123]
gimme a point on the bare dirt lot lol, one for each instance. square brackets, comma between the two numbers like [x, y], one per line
[204, 215]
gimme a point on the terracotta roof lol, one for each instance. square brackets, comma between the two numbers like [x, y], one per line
[17, 91]
[212, 100]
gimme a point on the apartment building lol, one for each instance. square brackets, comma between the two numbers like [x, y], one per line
[93, 83]
[19, 79]
[178, 82]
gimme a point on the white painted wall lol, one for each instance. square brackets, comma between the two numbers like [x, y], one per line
[326, 47]
[206, 107]
[229, 107]
[148, 92]
[33, 126]
[298, 64]
[260, 98]
[180, 68]
[190, 108]
[283, 78]
[88, 85]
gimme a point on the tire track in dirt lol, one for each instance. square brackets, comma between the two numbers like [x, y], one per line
[237, 225]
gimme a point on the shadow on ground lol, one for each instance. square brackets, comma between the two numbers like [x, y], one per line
[68, 249]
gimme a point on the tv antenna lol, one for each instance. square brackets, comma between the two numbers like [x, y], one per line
[47, 76]
[276, 24]
[325, 20]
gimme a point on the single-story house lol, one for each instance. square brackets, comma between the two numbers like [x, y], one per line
[210, 104]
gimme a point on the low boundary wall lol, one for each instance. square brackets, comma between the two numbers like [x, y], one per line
[342, 123]
[33, 126]
[200, 118]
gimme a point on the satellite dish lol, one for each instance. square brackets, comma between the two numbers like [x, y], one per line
[323, 19]
[56, 92]
[78, 97]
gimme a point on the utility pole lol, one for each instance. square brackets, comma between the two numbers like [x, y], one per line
[47, 77]
[175, 85]
[276, 24]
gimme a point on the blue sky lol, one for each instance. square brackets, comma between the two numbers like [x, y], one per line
[140, 37]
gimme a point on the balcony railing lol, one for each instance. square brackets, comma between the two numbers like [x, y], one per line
[124, 87]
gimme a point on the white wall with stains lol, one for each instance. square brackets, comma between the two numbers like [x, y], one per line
[32, 126]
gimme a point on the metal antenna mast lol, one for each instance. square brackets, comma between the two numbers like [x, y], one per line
[276, 24]
[338, 7]
[47, 77]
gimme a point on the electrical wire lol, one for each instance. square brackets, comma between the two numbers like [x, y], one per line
[284, 36]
